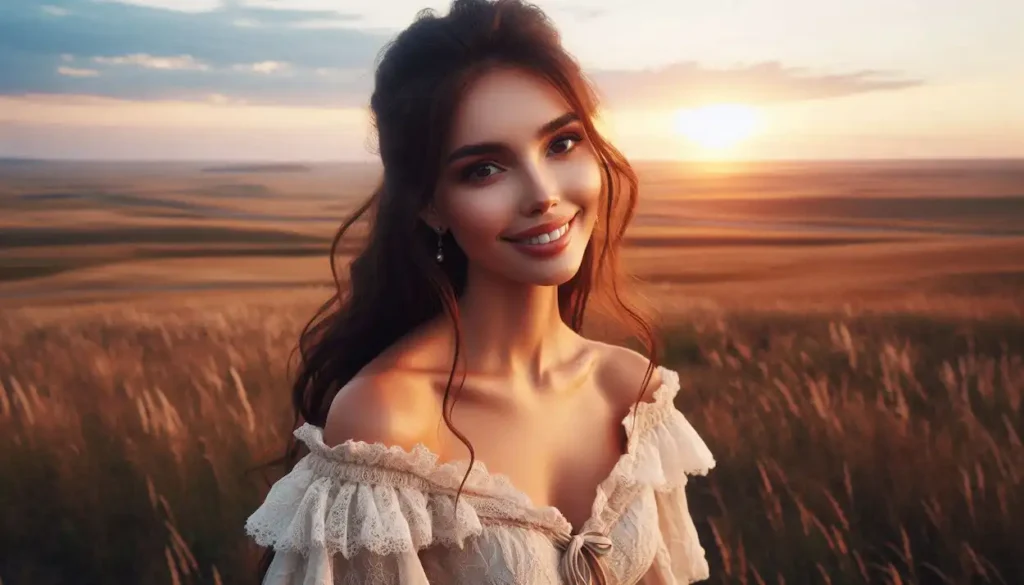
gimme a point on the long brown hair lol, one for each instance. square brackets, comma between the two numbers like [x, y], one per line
[395, 283]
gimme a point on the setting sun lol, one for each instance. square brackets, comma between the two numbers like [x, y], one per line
[717, 126]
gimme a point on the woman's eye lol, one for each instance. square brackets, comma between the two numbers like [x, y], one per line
[564, 144]
[481, 171]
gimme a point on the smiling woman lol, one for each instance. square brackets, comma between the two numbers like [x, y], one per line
[499, 218]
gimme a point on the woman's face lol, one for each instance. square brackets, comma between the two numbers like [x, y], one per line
[520, 185]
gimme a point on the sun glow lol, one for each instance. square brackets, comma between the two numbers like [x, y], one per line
[717, 127]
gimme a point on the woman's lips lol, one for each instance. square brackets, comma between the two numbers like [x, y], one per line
[544, 228]
[547, 244]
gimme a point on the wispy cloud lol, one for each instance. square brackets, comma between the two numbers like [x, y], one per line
[264, 67]
[223, 100]
[77, 72]
[150, 52]
[314, 23]
[179, 63]
[103, 28]
[191, 6]
[260, 52]
[690, 83]
[54, 10]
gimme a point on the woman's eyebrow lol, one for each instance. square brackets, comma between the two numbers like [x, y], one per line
[495, 147]
[563, 120]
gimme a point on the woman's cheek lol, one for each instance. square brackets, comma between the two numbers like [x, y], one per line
[580, 179]
[479, 216]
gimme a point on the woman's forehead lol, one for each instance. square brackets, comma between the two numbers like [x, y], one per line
[506, 105]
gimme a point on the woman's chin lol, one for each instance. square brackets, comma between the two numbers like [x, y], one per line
[550, 271]
[549, 274]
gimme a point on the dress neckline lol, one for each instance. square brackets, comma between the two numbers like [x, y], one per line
[501, 485]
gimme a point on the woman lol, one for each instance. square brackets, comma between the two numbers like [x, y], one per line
[500, 213]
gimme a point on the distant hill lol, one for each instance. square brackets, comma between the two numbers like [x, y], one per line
[259, 168]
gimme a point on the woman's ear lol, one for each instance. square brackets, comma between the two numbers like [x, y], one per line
[432, 218]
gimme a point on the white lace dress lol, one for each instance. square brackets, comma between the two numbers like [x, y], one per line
[373, 514]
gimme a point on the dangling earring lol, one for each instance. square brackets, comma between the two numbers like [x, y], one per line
[440, 245]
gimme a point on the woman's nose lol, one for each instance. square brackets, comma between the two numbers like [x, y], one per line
[541, 193]
[541, 207]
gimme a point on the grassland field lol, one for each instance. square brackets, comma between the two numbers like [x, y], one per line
[850, 337]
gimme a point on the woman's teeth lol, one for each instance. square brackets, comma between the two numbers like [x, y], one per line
[548, 237]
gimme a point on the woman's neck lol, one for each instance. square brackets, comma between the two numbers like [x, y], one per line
[511, 329]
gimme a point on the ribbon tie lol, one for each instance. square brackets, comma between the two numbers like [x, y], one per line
[577, 568]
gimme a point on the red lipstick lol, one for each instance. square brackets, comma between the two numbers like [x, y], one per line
[537, 230]
[540, 249]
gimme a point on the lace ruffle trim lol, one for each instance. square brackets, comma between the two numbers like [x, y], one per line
[386, 499]
[667, 448]
[307, 510]
[419, 462]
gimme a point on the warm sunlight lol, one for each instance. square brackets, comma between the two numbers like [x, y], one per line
[717, 126]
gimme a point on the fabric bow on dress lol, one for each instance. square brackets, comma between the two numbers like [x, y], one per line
[581, 557]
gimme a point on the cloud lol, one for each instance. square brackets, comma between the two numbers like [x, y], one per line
[147, 52]
[180, 62]
[264, 67]
[104, 29]
[76, 72]
[55, 10]
[689, 83]
[176, 5]
[576, 10]
[251, 12]
[322, 23]
[223, 100]
[265, 54]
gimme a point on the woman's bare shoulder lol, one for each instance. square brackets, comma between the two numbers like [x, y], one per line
[621, 373]
[393, 407]
[393, 399]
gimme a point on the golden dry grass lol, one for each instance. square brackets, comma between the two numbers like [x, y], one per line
[853, 448]
[863, 398]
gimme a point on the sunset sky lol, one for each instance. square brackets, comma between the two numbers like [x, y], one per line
[733, 79]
